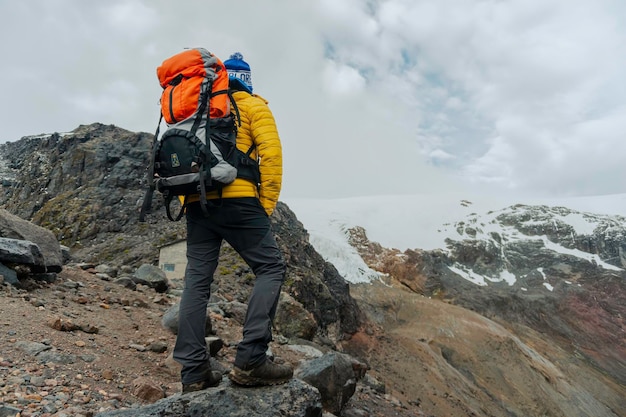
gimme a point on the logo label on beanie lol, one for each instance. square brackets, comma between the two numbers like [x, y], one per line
[243, 76]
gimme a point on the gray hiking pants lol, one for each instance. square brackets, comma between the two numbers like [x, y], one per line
[243, 223]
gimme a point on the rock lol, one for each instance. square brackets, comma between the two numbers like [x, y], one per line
[72, 284]
[126, 282]
[108, 374]
[170, 320]
[8, 411]
[22, 252]
[103, 276]
[293, 320]
[84, 185]
[66, 255]
[234, 310]
[157, 347]
[14, 227]
[63, 325]
[57, 357]
[48, 277]
[374, 384]
[152, 277]
[147, 390]
[10, 276]
[309, 351]
[109, 270]
[32, 348]
[89, 328]
[137, 347]
[214, 345]
[293, 399]
[334, 376]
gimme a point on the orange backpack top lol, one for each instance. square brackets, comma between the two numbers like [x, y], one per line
[184, 77]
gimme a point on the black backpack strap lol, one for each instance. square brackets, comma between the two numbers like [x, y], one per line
[147, 199]
[175, 81]
[168, 210]
[202, 191]
[234, 103]
[249, 167]
[204, 107]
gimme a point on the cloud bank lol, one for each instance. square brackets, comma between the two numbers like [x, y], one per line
[371, 97]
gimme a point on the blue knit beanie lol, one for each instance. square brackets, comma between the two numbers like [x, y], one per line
[239, 70]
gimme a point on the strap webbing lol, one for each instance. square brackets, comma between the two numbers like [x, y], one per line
[147, 199]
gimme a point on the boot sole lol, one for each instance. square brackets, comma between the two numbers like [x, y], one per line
[213, 382]
[250, 381]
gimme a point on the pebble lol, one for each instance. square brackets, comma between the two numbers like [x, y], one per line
[41, 391]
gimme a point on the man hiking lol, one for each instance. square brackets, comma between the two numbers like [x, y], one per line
[239, 214]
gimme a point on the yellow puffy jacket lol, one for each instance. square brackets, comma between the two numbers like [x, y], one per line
[257, 127]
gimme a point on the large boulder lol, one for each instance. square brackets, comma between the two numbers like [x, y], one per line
[335, 375]
[151, 276]
[171, 317]
[13, 227]
[22, 252]
[9, 275]
[294, 399]
[293, 320]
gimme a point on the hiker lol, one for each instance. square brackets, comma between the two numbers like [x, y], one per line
[240, 216]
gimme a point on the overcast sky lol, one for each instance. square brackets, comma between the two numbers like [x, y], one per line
[371, 97]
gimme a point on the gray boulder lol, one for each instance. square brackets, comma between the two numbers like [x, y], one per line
[23, 252]
[234, 310]
[107, 269]
[10, 276]
[152, 277]
[335, 376]
[293, 320]
[8, 411]
[170, 320]
[13, 227]
[294, 399]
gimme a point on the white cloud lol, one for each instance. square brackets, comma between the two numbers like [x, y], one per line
[522, 94]
[131, 18]
[440, 155]
[342, 79]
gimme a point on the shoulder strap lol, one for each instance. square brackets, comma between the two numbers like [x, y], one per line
[234, 103]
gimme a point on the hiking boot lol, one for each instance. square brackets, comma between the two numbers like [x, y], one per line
[213, 379]
[268, 373]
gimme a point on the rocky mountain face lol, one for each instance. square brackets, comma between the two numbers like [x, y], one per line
[521, 314]
[85, 186]
[539, 270]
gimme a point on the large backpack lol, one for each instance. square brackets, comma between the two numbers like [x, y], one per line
[197, 153]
